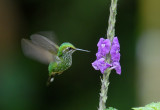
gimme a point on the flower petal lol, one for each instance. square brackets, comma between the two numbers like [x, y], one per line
[115, 41]
[115, 55]
[104, 46]
[95, 65]
[117, 67]
[103, 65]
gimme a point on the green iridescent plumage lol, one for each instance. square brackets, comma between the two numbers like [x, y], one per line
[63, 59]
[46, 51]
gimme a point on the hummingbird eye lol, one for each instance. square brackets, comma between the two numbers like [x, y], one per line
[69, 48]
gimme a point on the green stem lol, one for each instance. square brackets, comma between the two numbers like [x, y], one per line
[104, 90]
[112, 20]
[110, 35]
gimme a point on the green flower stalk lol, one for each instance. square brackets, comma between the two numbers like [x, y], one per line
[112, 20]
[110, 36]
[108, 56]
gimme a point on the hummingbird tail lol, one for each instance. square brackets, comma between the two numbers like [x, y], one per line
[50, 80]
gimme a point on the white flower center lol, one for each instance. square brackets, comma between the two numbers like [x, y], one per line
[103, 45]
[117, 51]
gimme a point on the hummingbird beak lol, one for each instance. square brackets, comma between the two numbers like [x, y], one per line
[82, 50]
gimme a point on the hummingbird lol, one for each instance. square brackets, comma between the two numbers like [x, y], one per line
[45, 50]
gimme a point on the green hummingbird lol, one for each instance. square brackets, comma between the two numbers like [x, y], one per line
[45, 50]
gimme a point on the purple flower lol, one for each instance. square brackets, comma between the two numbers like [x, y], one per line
[104, 46]
[117, 67]
[99, 55]
[95, 65]
[100, 65]
[115, 55]
[116, 42]
[103, 65]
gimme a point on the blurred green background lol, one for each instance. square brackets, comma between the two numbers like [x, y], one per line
[81, 22]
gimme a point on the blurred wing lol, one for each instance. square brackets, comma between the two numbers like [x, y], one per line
[45, 43]
[50, 35]
[36, 52]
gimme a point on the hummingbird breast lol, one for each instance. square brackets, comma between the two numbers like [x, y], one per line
[61, 64]
[67, 60]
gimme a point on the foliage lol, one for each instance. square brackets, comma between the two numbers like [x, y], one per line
[111, 108]
[151, 106]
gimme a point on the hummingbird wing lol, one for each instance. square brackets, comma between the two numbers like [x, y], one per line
[36, 52]
[50, 35]
[45, 43]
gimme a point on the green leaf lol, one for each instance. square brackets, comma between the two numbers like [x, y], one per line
[111, 108]
[151, 106]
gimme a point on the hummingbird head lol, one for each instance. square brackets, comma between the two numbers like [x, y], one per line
[68, 48]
